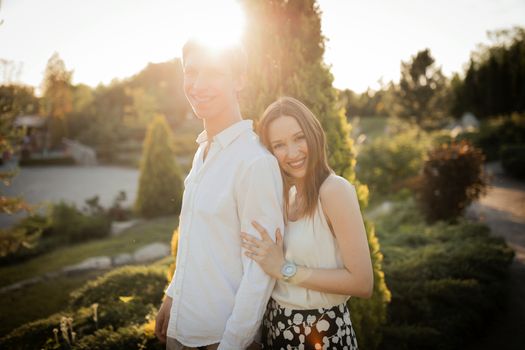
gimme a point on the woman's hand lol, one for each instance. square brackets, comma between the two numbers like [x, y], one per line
[267, 253]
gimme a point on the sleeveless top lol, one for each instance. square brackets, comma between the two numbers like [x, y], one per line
[309, 242]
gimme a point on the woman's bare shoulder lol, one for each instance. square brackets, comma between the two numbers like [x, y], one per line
[333, 184]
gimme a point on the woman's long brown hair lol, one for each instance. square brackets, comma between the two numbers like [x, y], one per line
[317, 169]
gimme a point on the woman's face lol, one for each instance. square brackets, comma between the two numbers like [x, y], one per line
[288, 145]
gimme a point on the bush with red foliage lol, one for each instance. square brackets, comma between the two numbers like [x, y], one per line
[452, 178]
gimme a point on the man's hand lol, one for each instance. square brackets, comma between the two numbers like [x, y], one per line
[163, 317]
[252, 346]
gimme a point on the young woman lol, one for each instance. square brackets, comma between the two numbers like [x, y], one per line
[324, 257]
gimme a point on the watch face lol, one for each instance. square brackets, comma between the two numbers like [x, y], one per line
[288, 270]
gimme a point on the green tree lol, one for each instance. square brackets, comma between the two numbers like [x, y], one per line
[160, 182]
[115, 120]
[285, 50]
[100, 123]
[494, 82]
[163, 81]
[57, 97]
[82, 115]
[422, 90]
[143, 108]
[15, 100]
[368, 103]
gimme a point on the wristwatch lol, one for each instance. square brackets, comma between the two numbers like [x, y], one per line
[288, 270]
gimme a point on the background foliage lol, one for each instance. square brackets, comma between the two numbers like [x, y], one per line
[160, 184]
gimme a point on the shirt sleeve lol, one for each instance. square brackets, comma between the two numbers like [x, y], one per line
[170, 289]
[260, 198]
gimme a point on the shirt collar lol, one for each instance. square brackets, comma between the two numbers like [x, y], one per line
[225, 137]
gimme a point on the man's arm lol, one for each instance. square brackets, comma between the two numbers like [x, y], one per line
[259, 195]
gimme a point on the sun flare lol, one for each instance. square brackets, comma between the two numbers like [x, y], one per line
[214, 23]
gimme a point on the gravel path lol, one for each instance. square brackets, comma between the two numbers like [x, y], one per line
[503, 210]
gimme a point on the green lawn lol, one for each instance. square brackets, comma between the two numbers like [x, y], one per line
[127, 242]
[371, 126]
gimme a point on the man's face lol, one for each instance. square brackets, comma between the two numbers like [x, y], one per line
[209, 85]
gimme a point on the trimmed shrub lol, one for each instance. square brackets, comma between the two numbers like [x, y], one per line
[452, 178]
[70, 225]
[132, 337]
[144, 283]
[500, 131]
[41, 335]
[32, 335]
[513, 160]
[445, 280]
[368, 316]
[63, 224]
[111, 307]
[160, 183]
[124, 296]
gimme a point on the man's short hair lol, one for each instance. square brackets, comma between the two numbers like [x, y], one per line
[233, 55]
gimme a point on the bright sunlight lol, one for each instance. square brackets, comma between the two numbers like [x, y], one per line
[215, 24]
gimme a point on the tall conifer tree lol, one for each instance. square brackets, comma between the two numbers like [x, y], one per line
[285, 50]
[160, 182]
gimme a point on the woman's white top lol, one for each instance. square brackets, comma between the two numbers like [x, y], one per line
[309, 242]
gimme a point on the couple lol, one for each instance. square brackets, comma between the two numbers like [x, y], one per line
[272, 243]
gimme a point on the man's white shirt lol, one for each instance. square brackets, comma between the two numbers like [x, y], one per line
[220, 295]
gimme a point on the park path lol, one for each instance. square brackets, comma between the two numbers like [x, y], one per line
[503, 210]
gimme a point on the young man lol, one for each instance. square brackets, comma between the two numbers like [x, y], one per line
[218, 296]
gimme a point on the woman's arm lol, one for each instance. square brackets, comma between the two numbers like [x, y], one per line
[341, 207]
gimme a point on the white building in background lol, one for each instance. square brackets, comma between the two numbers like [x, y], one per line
[36, 133]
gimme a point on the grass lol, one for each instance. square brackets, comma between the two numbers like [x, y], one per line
[157, 230]
[39, 300]
[50, 296]
[371, 126]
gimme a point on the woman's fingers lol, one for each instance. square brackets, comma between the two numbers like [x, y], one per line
[264, 235]
[252, 255]
[249, 246]
[278, 237]
[250, 238]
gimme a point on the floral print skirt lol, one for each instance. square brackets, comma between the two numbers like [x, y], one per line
[323, 328]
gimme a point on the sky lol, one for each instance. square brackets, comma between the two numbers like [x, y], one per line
[105, 39]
